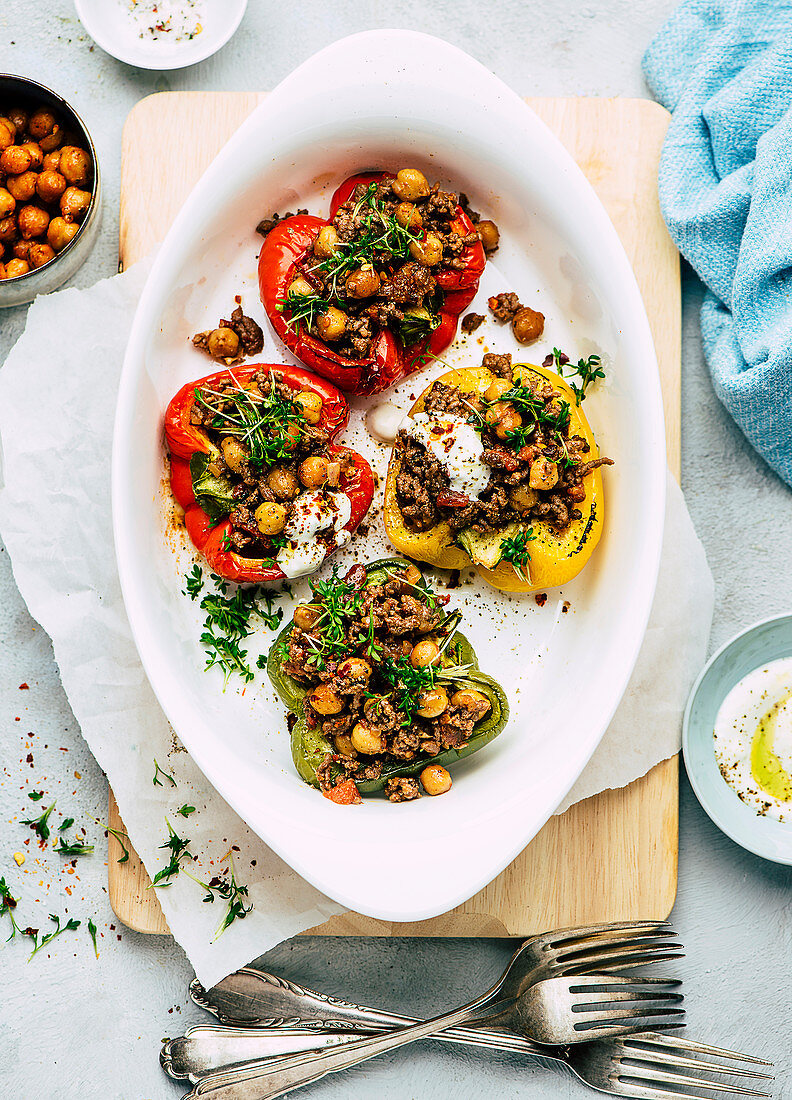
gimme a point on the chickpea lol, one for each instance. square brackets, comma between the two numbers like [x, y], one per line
[410, 184]
[40, 253]
[527, 325]
[503, 417]
[543, 473]
[75, 165]
[33, 150]
[424, 653]
[7, 133]
[523, 498]
[53, 140]
[354, 668]
[310, 405]
[313, 472]
[469, 699]
[233, 453]
[15, 160]
[325, 701]
[60, 232]
[326, 242]
[8, 230]
[51, 161]
[300, 288]
[2, 271]
[74, 203]
[7, 203]
[429, 251]
[496, 389]
[432, 702]
[363, 283]
[343, 744]
[50, 186]
[305, 616]
[41, 123]
[331, 324]
[366, 740]
[32, 222]
[435, 779]
[489, 234]
[222, 343]
[23, 187]
[283, 483]
[18, 117]
[408, 216]
[270, 517]
[21, 250]
[14, 268]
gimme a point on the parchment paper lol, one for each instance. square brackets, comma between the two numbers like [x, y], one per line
[57, 404]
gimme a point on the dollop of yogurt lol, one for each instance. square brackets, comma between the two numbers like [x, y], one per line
[456, 445]
[753, 739]
[315, 512]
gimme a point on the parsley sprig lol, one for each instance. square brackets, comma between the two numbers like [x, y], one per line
[8, 904]
[72, 848]
[158, 771]
[39, 824]
[178, 848]
[120, 837]
[515, 550]
[338, 602]
[226, 887]
[71, 925]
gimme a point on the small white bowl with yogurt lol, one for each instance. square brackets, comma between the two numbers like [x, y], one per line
[160, 34]
[737, 739]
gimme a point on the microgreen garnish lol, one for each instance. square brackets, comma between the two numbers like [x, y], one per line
[230, 891]
[158, 771]
[178, 848]
[339, 601]
[421, 587]
[73, 848]
[515, 550]
[267, 423]
[185, 810]
[71, 925]
[8, 904]
[65, 824]
[410, 683]
[120, 837]
[555, 415]
[39, 824]
[193, 582]
[35, 796]
[273, 615]
[587, 370]
[372, 647]
[92, 933]
[303, 309]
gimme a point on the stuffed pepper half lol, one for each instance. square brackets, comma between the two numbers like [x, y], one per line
[371, 294]
[383, 689]
[497, 465]
[266, 492]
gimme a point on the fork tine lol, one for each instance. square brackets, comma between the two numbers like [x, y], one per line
[668, 1059]
[622, 941]
[619, 961]
[567, 935]
[594, 998]
[645, 1075]
[663, 1041]
[627, 1014]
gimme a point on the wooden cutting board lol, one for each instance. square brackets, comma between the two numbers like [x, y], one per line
[613, 856]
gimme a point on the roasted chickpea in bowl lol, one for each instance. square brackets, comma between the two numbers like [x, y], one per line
[50, 203]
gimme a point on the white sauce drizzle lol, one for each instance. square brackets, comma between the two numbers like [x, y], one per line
[314, 511]
[456, 445]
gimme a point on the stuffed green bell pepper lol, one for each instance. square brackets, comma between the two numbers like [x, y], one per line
[384, 690]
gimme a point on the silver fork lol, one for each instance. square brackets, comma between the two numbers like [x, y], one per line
[255, 998]
[638, 1066]
[264, 1080]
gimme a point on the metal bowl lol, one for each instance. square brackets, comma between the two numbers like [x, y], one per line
[41, 280]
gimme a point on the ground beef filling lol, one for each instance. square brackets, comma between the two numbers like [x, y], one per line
[373, 267]
[366, 697]
[279, 477]
[536, 474]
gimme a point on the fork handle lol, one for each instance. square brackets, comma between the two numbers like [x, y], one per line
[266, 1080]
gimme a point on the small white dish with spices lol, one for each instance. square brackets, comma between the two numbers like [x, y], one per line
[160, 34]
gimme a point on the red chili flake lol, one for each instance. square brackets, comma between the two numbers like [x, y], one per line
[541, 598]
[234, 847]
[17, 719]
[566, 606]
[24, 687]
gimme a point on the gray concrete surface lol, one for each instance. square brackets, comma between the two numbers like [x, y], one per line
[76, 1028]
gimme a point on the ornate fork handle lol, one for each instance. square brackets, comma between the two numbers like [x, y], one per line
[254, 998]
[268, 1079]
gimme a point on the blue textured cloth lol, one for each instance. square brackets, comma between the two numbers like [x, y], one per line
[725, 70]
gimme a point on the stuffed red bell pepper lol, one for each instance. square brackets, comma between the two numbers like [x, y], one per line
[371, 294]
[267, 494]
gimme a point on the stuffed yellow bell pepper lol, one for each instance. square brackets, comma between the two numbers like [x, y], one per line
[497, 466]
